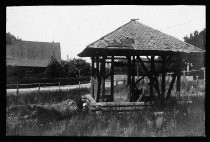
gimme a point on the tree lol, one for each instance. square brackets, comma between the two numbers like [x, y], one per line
[54, 69]
[76, 67]
[198, 40]
[10, 38]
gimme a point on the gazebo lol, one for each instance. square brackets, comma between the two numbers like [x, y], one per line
[130, 42]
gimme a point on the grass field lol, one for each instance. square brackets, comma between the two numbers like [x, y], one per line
[186, 120]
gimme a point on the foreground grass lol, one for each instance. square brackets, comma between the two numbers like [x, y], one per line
[127, 124]
[131, 124]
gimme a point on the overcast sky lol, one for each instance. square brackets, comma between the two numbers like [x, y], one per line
[77, 26]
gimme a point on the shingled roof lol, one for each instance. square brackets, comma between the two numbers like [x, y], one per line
[139, 37]
[32, 53]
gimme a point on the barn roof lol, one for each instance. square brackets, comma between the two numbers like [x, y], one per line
[137, 37]
[32, 53]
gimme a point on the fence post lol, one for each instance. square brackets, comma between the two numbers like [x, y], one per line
[17, 88]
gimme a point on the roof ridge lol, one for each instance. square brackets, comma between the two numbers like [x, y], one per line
[110, 32]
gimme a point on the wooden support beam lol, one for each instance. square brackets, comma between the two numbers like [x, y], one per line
[148, 59]
[98, 84]
[129, 77]
[144, 67]
[129, 70]
[92, 77]
[163, 86]
[112, 78]
[132, 74]
[140, 79]
[171, 87]
[152, 74]
[102, 78]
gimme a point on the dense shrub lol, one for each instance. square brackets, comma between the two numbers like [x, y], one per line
[54, 69]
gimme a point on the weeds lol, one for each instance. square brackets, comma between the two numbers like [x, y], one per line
[48, 97]
[123, 124]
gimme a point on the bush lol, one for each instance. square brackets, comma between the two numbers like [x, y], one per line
[54, 69]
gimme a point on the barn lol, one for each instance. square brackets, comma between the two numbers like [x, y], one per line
[31, 55]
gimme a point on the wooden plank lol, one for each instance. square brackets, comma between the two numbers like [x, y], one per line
[119, 104]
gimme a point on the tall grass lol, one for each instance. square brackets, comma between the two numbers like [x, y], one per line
[184, 120]
[47, 97]
[123, 124]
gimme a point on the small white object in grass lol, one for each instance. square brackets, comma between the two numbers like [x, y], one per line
[84, 105]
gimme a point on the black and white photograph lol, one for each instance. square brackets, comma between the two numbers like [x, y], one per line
[106, 70]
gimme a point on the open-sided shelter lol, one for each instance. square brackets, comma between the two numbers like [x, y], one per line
[130, 42]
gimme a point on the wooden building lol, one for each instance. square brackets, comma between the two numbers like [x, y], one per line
[130, 42]
[32, 53]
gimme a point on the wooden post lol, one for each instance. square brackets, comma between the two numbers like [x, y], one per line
[129, 76]
[152, 74]
[17, 88]
[98, 84]
[112, 78]
[184, 80]
[92, 77]
[132, 75]
[103, 78]
[163, 80]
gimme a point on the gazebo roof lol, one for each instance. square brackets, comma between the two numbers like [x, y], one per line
[137, 38]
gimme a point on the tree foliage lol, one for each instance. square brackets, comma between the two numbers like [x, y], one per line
[54, 69]
[10, 39]
[75, 67]
[199, 40]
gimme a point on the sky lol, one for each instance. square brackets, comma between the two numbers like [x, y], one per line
[75, 27]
